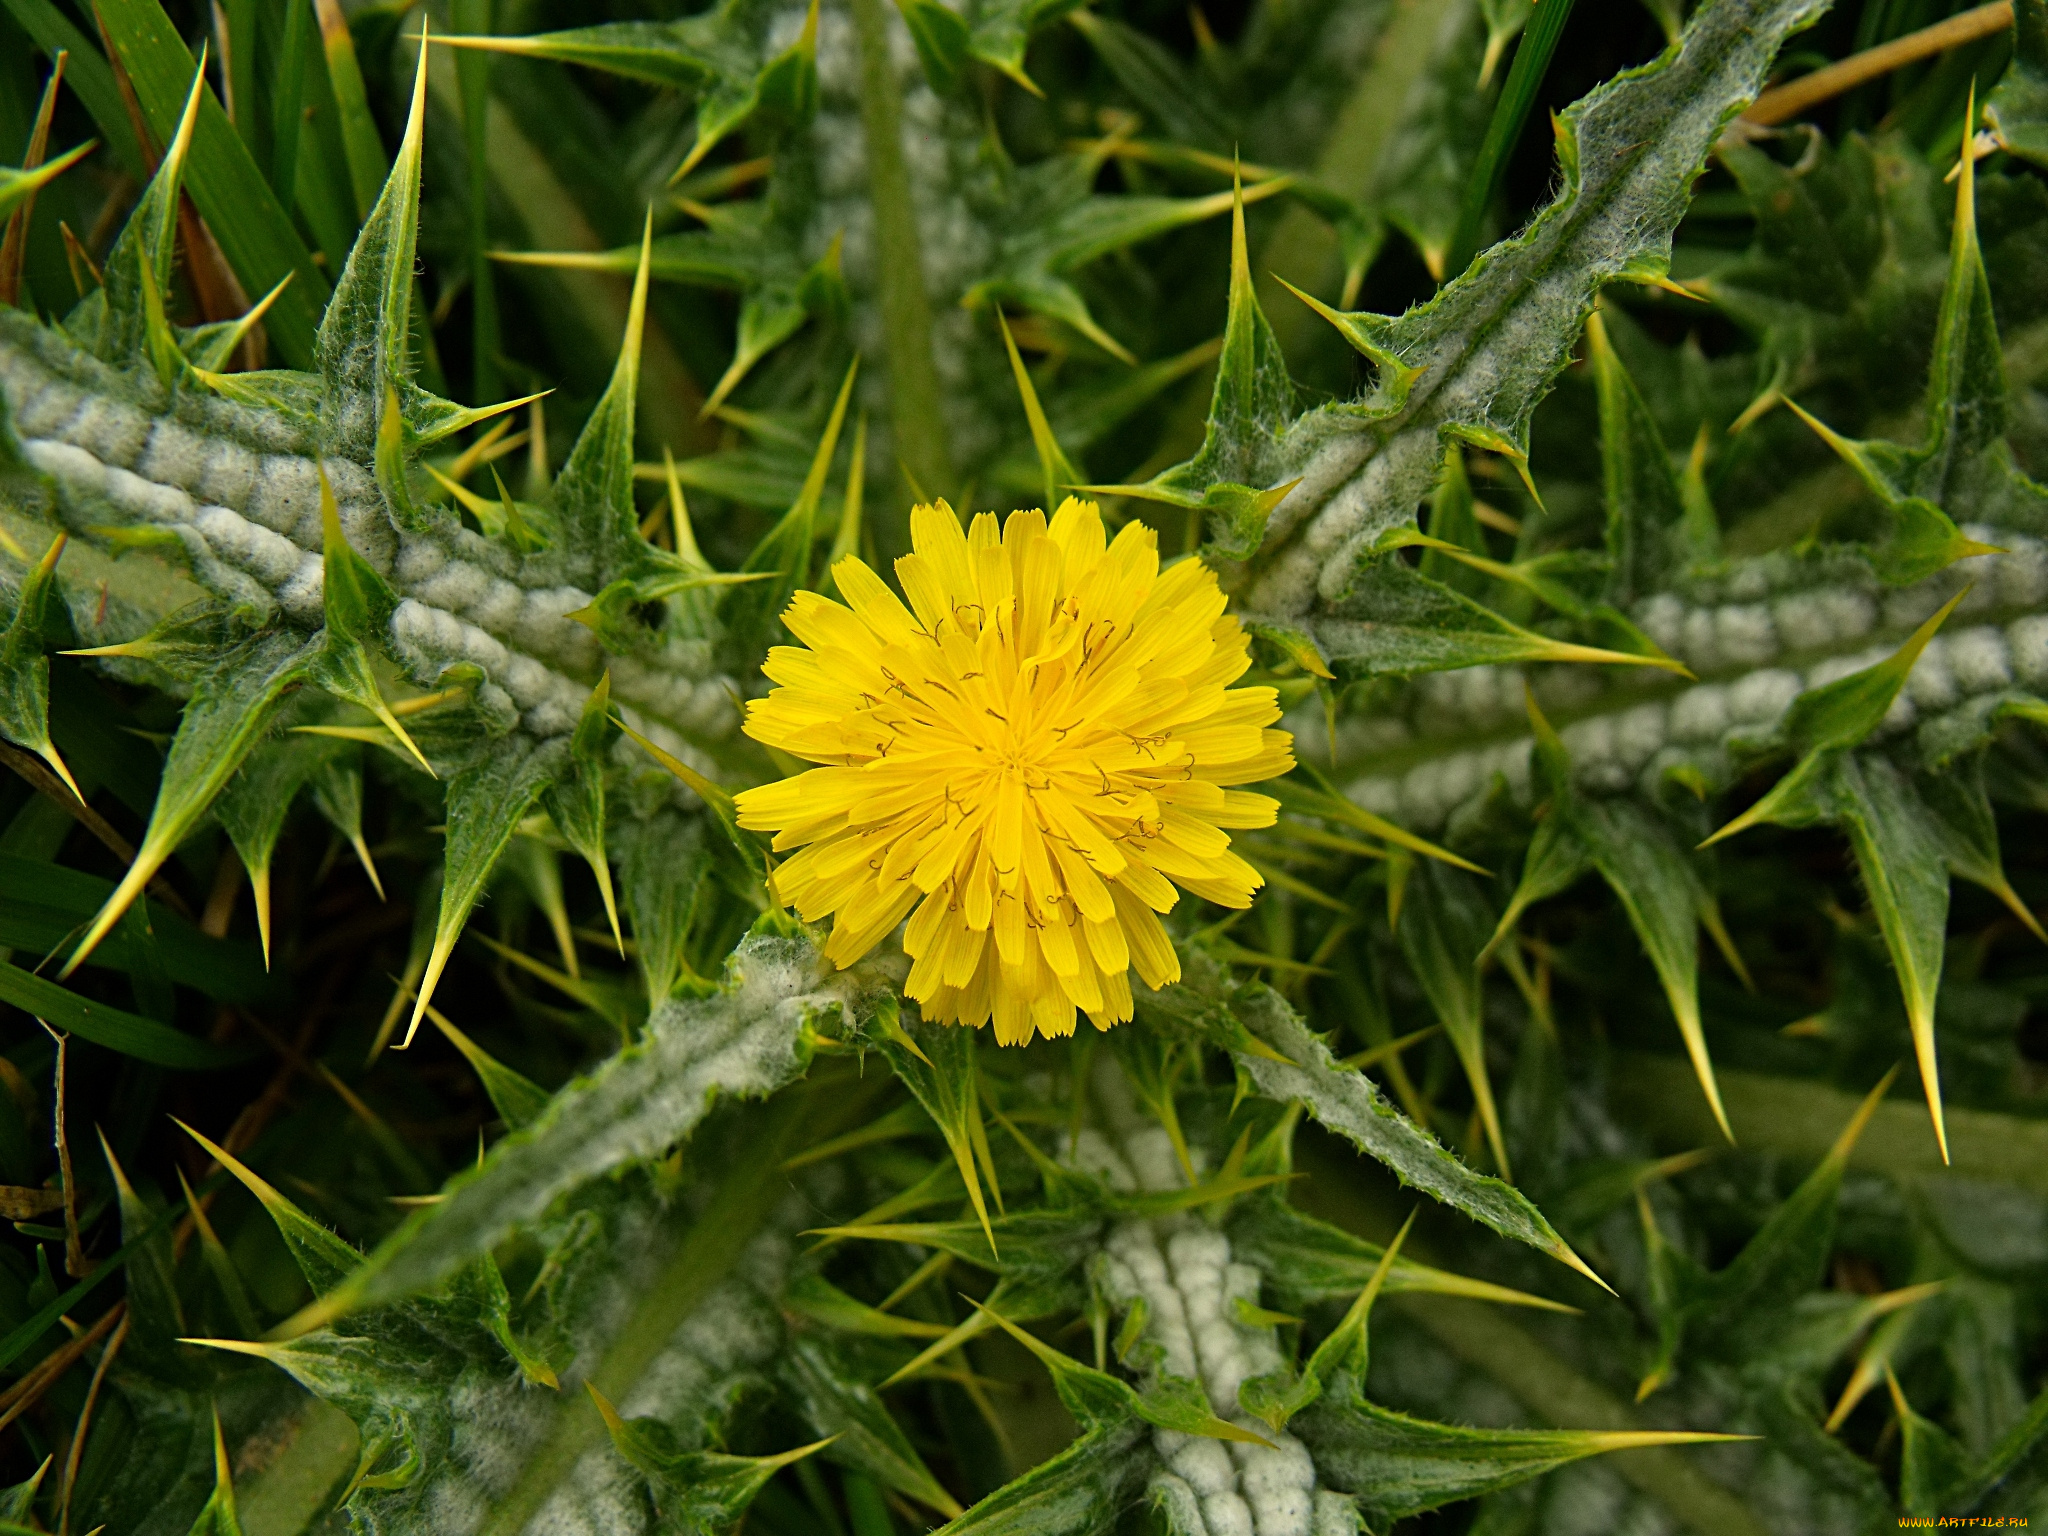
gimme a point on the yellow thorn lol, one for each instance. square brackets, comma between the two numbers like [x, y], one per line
[259, 893]
[369, 864]
[48, 753]
[1846, 1142]
[437, 962]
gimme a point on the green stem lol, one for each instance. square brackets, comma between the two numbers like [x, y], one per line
[914, 398]
[1800, 1119]
[1303, 249]
[473, 70]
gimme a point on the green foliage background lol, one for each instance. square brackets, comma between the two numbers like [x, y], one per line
[648, 1220]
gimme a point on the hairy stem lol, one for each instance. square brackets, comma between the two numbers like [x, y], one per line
[906, 309]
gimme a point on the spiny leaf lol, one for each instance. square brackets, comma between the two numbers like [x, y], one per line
[1343, 1348]
[518, 1100]
[593, 495]
[1646, 511]
[1825, 722]
[324, 1259]
[1648, 870]
[132, 324]
[785, 550]
[1397, 1466]
[1052, 459]
[486, 803]
[1474, 361]
[218, 1518]
[939, 1070]
[25, 670]
[747, 1040]
[17, 186]
[1446, 926]
[255, 233]
[224, 719]
[834, 1395]
[2017, 113]
[721, 57]
[575, 802]
[1350, 1104]
[357, 605]
[1252, 403]
[1964, 464]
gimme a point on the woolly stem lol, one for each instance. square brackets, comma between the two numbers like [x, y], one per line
[914, 397]
[704, 1258]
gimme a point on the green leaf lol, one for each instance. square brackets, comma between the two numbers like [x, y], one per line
[360, 143]
[1445, 925]
[747, 1040]
[1964, 465]
[88, 75]
[1344, 1348]
[518, 1100]
[1649, 871]
[663, 866]
[1397, 1466]
[2017, 111]
[486, 803]
[130, 1034]
[1931, 1464]
[749, 612]
[132, 327]
[593, 495]
[941, 36]
[357, 604]
[1473, 362]
[836, 1399]
[255, 804]
[18, 186]
[218, 1517]
[937, 1066]
[25, 670]
[575, 801]
[1826, 722]
[720, 57]
[18, 1502]
[1510, 112]
[42, 905]
[1078, 1492]
[694, 1490]
[1786, 1257]
[255, 234]
[1351, 1104]
[324, 1259]
[1250, 407]
[227, 715]
[1306, 1262]
[1158, 81]
[1646, 513]
[1419, 625]
[152, 1291]
[1905, 874]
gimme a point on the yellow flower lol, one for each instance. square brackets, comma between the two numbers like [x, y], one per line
[1031, 755]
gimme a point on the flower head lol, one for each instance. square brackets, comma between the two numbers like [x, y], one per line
[1024, 762]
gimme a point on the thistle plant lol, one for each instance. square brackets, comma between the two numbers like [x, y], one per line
[519, 892]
